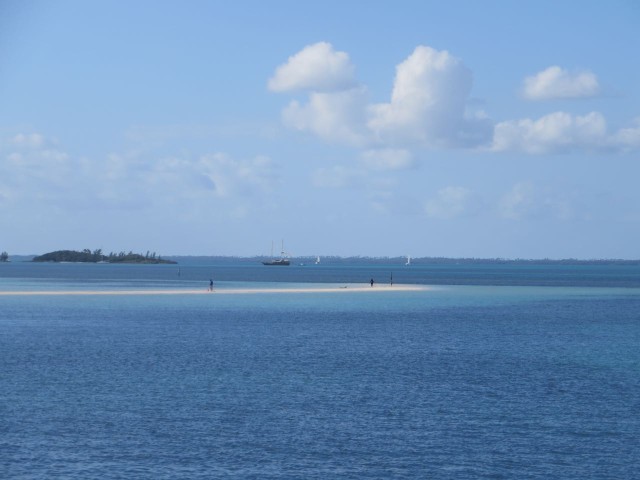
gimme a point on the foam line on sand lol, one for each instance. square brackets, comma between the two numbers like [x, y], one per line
[226, 291]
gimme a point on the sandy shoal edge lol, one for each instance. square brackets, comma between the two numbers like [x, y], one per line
[229, 291]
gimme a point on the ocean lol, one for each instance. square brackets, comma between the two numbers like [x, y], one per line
[493, 371]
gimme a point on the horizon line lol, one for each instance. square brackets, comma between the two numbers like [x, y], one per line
[388, 257]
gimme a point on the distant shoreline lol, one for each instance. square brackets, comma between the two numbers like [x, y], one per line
[337, 260]
[226, 291]
[96, 256]
[400, 261]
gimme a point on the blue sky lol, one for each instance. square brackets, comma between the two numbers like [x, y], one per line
[460, 129]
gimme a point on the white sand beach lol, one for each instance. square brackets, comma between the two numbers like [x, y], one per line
[228, 291]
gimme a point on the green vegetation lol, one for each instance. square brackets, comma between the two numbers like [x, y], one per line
[96, 256]
[336, 260]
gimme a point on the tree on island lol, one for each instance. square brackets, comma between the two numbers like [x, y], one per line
[4, 257]
[87, 256]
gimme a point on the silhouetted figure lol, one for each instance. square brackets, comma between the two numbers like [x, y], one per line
[211, 285]
[372, 282]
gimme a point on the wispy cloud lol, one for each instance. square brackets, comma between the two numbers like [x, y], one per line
[627, 138]
[34, 171]
[29, 140]
[518, 202]
[337, 176]
[387, 159]
[525, 200]
[451, 202]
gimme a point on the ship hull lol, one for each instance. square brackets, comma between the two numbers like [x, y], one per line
[283, 263]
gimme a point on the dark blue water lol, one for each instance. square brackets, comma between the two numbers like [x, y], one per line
[436, 274]
[464, 381]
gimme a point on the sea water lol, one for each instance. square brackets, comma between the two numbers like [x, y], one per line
[494, 372]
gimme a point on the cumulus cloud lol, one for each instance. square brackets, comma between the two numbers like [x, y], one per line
[450, 202]
[556, 132]
[334, 117]
[428, 105]
[317, 67]
[556, 82]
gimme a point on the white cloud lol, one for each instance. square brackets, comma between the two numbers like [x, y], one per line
[525, 200]
[246, 177]
[32, 169]
[215, 176]
[556, 132]
[627, 138]
[211, 176]
[51, 178]
[428, 103]
[317, 67]
[518, 202]
[336, 177]
[29, 140]
[430, 107]
[387, 159]
[334, 117]
[556, 82]
[450, 202]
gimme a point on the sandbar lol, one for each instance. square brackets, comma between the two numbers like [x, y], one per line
[227, 291]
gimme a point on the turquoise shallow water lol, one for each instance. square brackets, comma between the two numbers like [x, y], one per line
[485, 380]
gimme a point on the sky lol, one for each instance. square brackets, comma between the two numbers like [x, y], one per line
[493, 129]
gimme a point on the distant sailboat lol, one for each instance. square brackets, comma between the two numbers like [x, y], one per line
[317, 260]
[282, 261]
[408, 260]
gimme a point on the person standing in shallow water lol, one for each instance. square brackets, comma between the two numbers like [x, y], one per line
[372, 282]
[211, 285]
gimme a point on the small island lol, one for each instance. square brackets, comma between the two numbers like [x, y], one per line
[87, 256]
